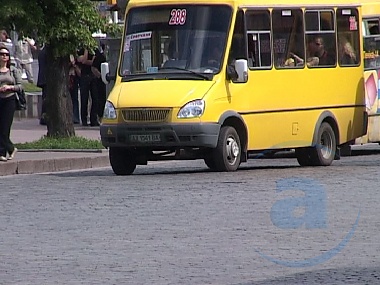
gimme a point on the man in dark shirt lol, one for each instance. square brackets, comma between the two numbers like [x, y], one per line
[325, 58]
[87, 88]
[100, 86]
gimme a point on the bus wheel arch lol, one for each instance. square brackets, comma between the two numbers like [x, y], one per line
[235, 120]
[231, 148]
[324, 151]
[329, 118]
[227, 154]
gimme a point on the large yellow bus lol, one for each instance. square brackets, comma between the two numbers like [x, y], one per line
[222, 80]
[371, 40]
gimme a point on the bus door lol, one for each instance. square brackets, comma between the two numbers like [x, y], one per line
[372, 77]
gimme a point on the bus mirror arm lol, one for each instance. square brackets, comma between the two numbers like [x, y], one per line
[231, 73]
[110, 77]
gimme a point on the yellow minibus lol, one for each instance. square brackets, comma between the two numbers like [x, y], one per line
[224, 80]
[371, 41]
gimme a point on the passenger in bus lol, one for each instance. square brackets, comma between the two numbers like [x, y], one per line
[290, 62]
[347, 55]
[295, 60]
[298, 61]
[374, 30]
[312, 61]
[316, 48]
[170, 55]
[215, 57]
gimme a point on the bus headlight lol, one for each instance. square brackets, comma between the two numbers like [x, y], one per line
[109, 111]
[192, 109]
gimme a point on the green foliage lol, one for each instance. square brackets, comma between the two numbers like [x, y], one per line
[62, 143]
[113, 30]
[30, 87]
[64, 25]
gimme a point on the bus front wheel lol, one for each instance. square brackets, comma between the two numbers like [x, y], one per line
[210, 162]
[122, 161]
[226, 155]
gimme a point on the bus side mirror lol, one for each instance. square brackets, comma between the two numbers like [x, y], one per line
[105, 72]
[241, 67]
[238, 72]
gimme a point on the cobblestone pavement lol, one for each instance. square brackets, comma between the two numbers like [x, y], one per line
[178, 223]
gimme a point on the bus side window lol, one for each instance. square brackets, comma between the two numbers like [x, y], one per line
[259, 39]
[348, 37]
[237, 50]
[321, 37]
[371, 43]
[288, 38]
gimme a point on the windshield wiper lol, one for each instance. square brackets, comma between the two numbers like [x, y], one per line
[189, 71]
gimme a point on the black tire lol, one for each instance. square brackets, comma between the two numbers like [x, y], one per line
[226, 156]
[345, 150]
[323, 153]
[122, 161]
[304, 156]
[209, 161]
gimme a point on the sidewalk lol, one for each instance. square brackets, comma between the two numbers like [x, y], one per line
[27, 162]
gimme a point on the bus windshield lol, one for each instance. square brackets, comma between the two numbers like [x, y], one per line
[175, 39]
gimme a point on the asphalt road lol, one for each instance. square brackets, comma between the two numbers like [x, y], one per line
[271, 222]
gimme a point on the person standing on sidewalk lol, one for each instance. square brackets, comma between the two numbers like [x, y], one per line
[74, 76]
[7, 42]
[24, 56]
[87, 88]
[41, 82]
[100, 89]
[10, 82]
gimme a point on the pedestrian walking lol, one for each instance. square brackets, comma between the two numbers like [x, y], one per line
[10, 82]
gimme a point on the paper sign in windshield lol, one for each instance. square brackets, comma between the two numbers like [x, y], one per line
[135, 37]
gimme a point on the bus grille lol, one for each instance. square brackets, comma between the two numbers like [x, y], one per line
[145, 115]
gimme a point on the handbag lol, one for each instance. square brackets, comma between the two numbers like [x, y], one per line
[20, 96]
[20, 100]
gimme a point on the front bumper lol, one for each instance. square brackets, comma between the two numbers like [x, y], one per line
[161, 136]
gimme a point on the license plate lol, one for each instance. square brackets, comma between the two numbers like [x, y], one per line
[145, 138]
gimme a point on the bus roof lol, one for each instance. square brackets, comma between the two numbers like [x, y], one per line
[260, 3]
[370, 8]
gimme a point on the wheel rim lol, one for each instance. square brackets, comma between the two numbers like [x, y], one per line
[232, 150]
[326, 145]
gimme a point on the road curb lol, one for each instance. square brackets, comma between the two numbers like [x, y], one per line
[52, 165]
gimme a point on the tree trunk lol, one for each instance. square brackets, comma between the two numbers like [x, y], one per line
[59, 108]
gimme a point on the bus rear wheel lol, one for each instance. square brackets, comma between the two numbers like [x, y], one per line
[122, 161]
[226, 156]
[304, 156]
[323, 153]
